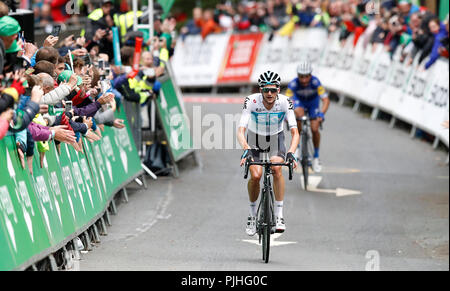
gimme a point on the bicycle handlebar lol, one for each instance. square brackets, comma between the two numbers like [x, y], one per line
[287, 164]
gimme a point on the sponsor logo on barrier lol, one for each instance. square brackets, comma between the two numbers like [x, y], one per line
[7, 209]
[6, 203]
[87, 177]
[381, 72]
[85, 171]
[99, 159]
[25, 202]
[345, 62]
[25, 197]
[44, 198]
[42, 191]
[67, 179]
[332, 58]
[79, 180]
[398, 78]
[107, 149]
[439, 96]
[363, 67]
[417, 87]
[55, 184]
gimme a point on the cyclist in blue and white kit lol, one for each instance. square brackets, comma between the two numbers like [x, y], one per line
[263, 115]
[306, 92]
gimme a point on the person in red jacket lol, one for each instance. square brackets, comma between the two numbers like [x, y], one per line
[58, 10]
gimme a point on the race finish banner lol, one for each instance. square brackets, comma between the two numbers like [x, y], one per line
[240, 58]
[173, 118]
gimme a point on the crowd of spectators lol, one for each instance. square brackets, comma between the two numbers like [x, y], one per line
[391, 23]
[67, 90]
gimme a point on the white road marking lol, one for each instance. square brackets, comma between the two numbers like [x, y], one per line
[314, 181]
[273, 243]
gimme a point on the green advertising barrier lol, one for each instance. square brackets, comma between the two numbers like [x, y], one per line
[172, 116]
[7, 261]
[40, 213]
[63, 203]
[21, 214]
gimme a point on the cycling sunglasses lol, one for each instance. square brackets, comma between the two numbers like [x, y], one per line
[271, 90]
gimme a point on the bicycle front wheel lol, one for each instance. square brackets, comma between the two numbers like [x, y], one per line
[266, 243]
[267, 228]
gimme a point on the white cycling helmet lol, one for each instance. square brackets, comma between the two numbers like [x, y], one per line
[269, 78]
[304, 68]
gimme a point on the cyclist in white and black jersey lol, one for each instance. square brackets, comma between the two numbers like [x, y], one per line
[264, 115]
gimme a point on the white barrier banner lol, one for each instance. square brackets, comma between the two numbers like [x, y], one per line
[197, 62]
[375, 81]
[271, 56]
[305, 43]
[327, 69]
[342, 81]
[412, 101]
[436, 98]
[396, 81]
[282, 54]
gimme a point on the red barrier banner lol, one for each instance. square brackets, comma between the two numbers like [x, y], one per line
[240, 58]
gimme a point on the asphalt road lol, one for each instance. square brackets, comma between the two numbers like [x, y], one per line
[396, 216]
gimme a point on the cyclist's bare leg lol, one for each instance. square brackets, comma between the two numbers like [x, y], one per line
[315, 133]
[278, 179]
[299, 113]
[254, 182]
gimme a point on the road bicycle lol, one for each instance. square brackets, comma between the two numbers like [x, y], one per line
[265, 223]
[306, 148]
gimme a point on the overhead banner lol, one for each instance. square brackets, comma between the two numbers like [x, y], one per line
[240, 58]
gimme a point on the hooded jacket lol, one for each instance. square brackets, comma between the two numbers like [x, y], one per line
[437, 43]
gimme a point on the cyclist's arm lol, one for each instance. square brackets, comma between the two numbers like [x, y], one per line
[241, 138]
[243, 124]
[326, 104]
[323, 94]
[292, 122]
[295, 140]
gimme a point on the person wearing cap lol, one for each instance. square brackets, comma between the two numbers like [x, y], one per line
[9, 27]
[100, 18]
